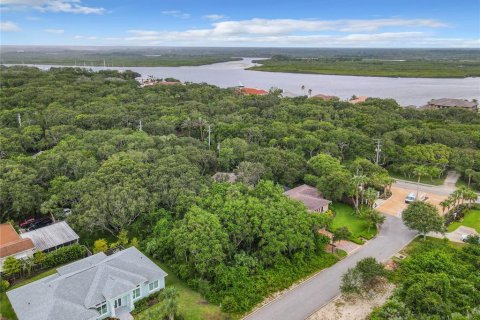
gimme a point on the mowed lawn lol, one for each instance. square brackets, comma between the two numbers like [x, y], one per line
[191, 304]
[346, 217]
[471, 219]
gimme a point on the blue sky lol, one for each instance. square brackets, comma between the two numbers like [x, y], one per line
[299, 23]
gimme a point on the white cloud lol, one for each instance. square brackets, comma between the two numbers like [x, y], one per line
[9, 26]
[56, 31]
[78, 37]
[69, 6]
[176, 14]
[214, 17]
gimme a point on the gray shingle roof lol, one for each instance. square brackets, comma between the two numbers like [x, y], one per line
[51, 236]
[447, 102]
[74, 291]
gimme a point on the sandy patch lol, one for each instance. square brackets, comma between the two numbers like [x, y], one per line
[342, 308]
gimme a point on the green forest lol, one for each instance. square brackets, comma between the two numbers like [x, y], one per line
[126, 158]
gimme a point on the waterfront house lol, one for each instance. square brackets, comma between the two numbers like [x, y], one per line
[358, 99]
[252, 91]
[95, 287]
[452, 103]
[310, 197]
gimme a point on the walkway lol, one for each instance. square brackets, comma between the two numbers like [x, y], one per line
[309, 296]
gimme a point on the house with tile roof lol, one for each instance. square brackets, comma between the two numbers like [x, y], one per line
[11, 244]
[96, 287]
[252, 91]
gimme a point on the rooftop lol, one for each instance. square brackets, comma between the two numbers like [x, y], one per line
[10, 242]
[51, 236]
[77, 288]
[308, 195]
[447, 102]
[252, 91]
[358, 99]
[324, 97]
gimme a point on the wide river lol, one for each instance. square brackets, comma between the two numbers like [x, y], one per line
[407, 91]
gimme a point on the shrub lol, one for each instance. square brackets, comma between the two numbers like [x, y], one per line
[64, 255]
[4, 284]
[100, 245]
[229, 304]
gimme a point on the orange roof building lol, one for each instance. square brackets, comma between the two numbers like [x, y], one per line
[252, 91]
[11, 244]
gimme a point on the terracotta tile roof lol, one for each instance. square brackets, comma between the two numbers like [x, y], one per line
[253, 91]
[309, 196]
[11, 243]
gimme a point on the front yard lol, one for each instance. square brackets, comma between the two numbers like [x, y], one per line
[191, 304]
[346, 217]
[471, 219]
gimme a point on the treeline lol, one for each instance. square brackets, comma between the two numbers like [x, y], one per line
[67, 127]
[123, 157]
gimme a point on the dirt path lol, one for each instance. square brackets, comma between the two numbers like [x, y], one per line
[346, 309]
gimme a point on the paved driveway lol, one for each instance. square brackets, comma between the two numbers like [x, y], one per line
[396, 203]
[303, 300]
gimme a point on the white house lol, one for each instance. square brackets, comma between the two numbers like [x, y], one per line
[96, 287]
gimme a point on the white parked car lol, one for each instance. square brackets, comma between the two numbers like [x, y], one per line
[411, 197]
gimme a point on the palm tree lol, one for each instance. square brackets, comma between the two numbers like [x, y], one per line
[187, 124]
[358, 182]
[370, 197]
[469, 173]
[471, 196]
[421, 171]
[170, 302]
[446, 204]
[309, 92]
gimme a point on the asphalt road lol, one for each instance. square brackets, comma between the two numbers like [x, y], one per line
[303, 300]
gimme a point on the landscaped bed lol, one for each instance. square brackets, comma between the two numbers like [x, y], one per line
[358, 226]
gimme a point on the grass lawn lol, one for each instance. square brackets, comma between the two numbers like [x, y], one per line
[426, 180]
[345, 217]
[191, 304]
[6, 310]
[471, 219]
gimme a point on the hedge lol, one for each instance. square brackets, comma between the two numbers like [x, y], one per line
[64, 255]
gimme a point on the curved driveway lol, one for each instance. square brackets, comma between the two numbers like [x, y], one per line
[309, 296]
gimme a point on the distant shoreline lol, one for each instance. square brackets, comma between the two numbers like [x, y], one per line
[371, 68]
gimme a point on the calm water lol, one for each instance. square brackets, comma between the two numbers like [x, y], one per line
[406, 91]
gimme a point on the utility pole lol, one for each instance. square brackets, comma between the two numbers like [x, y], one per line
[378, 149]
[19, 119]
[209, 132]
